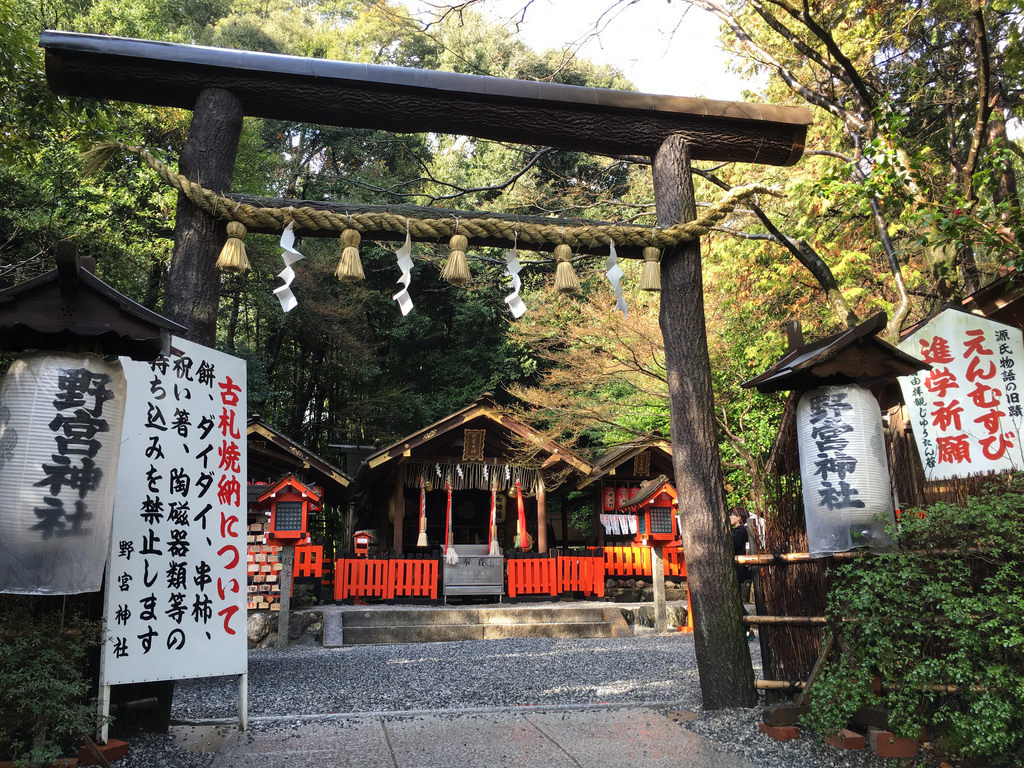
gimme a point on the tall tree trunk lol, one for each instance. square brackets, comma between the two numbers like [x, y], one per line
[723, 656]
[193, 282]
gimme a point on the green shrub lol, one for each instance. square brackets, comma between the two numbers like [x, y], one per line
[44, 711]
[946, 609]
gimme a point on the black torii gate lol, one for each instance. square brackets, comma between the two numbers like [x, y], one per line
[221, 86]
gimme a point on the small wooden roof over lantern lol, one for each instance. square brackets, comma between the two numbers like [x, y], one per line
[69, 308]
[290, 501]
[656, 505]
[855, 356]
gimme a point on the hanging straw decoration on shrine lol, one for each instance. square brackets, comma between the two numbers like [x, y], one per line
[421, 540]
[232, 256]
[350, 268]
[650, 277]
[450, 555]
[494, 548]
[565, 276]
[475, 475]
[456, 268]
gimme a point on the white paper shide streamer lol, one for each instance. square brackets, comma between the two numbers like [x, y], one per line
[614, 274]
[512, 269]
[404, 255]
[290, 256]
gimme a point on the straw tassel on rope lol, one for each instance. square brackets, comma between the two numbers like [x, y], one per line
[350, 268]
[565, 276]
[650, 277]
[456, 268]
[232, 256]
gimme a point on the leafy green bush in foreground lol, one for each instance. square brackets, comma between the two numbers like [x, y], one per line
[946, 609]
[44, 711]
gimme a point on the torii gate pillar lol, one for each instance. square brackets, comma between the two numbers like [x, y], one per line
[726, 673]
[193, 282]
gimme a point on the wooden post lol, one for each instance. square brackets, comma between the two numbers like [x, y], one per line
[243, 701]
[658, 582]
[542, 517]
[723, 658]
[398, 497]
[285, 582]
[193, 282]
[103, 706]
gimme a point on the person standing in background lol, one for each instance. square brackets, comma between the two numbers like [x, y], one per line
[738, 520]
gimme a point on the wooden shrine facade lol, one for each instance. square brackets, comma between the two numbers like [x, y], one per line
[471, 451]
[617, 476]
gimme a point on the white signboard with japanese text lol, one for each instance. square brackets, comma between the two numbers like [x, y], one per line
[966, 411]
[176, 583]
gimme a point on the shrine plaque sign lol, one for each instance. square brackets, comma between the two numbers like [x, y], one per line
[175, 602]
[965, 412]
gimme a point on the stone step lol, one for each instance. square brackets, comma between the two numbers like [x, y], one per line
[562, 630]
[333, 630]
[461, 616]
[426, 625]
[542, 615]
[439, 633]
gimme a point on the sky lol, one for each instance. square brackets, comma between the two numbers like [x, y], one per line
[662, 46]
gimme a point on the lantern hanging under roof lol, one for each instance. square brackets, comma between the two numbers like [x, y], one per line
[843, 469]
[60, 435]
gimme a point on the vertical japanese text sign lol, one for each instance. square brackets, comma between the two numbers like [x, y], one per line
[175, 595]
[966, 411]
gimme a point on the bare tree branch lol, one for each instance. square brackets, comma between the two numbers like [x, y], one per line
[852, 121]
[803, 253]
[982, 57]
[822, 34]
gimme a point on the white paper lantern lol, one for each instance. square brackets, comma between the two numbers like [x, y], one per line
[843, 469]
[60, 435]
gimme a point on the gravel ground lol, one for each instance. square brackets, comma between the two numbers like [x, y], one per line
[300, 684]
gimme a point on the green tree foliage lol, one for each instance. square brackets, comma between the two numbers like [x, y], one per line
[44, 710]
[345, 366]
[910, 187]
